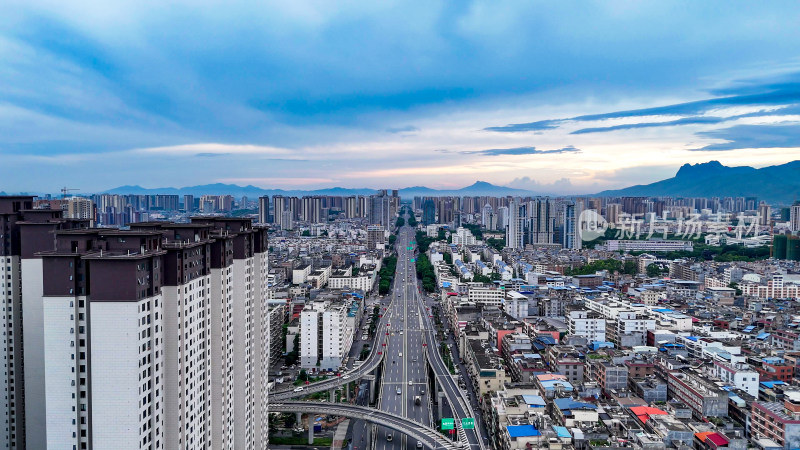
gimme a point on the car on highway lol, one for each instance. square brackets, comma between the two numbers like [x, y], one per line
[346, 377]
[298, 389]
[399, 391]
[401, 354]
[419, 444]
[389, 438]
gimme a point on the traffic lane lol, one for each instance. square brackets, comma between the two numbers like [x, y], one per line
[452, 392]
[458, 408]
[407, 394]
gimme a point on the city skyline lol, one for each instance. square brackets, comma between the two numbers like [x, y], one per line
[574, 100]
[399, 225]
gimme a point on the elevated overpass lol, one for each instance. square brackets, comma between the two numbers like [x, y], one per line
[429, 437]
[370, 364]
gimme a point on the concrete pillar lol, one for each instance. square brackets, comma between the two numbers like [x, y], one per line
[372, 390]
[310, 431]
[333, 395]
[299, 419]
[440, 402]
[370, 428]
[347, 392]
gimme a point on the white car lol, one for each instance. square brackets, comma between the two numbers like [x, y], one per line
[298, 389]
[346, 377]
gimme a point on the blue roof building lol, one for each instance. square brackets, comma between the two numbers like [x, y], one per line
[518, 431]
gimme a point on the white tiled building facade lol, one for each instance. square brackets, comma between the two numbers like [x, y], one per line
[157, 337]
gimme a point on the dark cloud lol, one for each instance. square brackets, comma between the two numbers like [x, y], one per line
[783, 95]
[753, 136]
[769, 96]
[519, 151]
[669, 123]
[531, 126]
[343, 75]
[405, 129]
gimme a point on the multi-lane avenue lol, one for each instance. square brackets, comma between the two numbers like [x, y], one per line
[458, 400]
[405, 342]
[404, 377]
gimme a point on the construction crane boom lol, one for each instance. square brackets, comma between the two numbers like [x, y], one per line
[65, 190]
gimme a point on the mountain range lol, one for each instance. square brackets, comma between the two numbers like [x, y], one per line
[478, 188]
[775, 184]
[778, 184]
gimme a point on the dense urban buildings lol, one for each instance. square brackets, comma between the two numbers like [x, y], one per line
[175, 332]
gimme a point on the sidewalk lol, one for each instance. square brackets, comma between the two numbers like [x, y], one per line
[340, 434]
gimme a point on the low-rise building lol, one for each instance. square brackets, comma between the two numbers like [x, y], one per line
[589, 325]
[609, 376]
[740, 375]
[572, 413]
[566, 360]
[650, 389]
[485, 295]
[484, 367]
[778, 421]
[704, 398]
[300, 274]
[775, 368]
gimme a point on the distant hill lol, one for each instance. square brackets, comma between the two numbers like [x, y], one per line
[478, 188]
[774, 184]
[234, 190]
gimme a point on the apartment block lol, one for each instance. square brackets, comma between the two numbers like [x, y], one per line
[629, 329]
[102, 318]
[325, 335]
[485, 295]
[249, 322]
[130, 336]
[24, 231]
[588, 325]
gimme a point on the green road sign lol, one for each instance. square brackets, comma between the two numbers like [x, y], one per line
[448, 424]
[468, 423]
[408, 248]
[413, 260]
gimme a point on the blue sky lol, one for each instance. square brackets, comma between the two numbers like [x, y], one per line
[560, 97]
